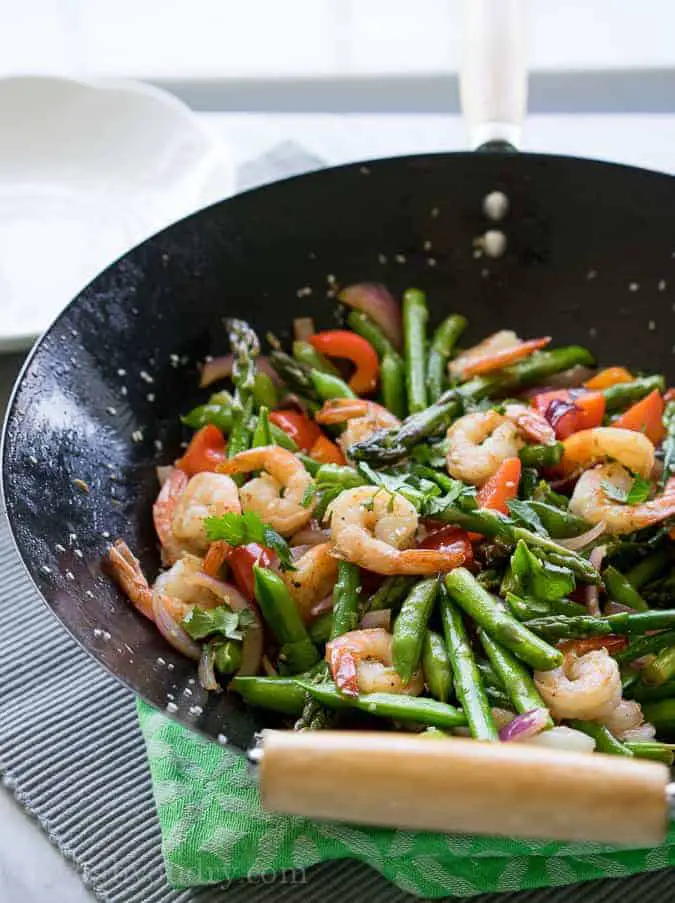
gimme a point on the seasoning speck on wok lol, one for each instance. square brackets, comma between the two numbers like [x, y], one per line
[380, 526]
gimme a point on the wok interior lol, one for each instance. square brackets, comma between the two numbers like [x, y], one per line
[590, 259]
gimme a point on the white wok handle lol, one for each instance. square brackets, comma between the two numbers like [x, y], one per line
[493, 73]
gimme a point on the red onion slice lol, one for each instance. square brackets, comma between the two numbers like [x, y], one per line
[221, 368]
[310, 537]
[525, 726]
[592, 592]
[171, 630]
[303, 328]
[381, 618]
[321, 607]
[375, 300]
[583, 539]
[206, 671]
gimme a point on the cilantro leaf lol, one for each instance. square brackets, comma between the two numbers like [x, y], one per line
[242, 529]
[638, 492]
[199, 623]
[308, 496]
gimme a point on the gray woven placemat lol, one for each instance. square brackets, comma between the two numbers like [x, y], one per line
[72, 752]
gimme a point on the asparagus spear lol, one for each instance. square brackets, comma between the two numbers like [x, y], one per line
[648, 568]
[245, 349]
[465, 590]
[526, 373]
[668, 443]
[390, 594]
[346, 599]
[557, 628]
[415, 316]
[392, 378]
[620, 589]
[541, 455]
[419, 710]
[280, 694]
[605, 741]
[371, 332]
[652, 749]
[279, 610]
[442, 345]
[468, 684]
[436, 666]
[411, 626]
[647, 645]
[662, 669]
[624, 394]
[515, 678]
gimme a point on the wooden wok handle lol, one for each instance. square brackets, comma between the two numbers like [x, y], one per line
[464, 786]
[493, 71]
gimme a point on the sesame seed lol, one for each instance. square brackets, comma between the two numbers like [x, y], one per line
[106, 635]
[172, 708]
[88, 593]
[399, 258]
[192, 681]
[137, 435]
[78, 553]
[427, 245]
[59, 548]
[160, 660]
[222, 739]
[431, 261]
[171, 666]
[170, 696]
[662, 285]
[195, 710]
[633, 286]
[121, 372]
[98, 632]
[145, 376]
[382, 258]
[592, 332]
[434, 212]
[159, 445]
[124, 391]
[364, 171]
[45, 569]
[591, 274]
[111, 410]
[32, 459]
[651, 325]
[105, 534]
[150, 397]
[70, 575]
[187, 691]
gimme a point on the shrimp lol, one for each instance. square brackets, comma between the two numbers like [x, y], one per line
[624, 719]
[498, 341]
[478, 443]
[361, 662]
[162, 513]
[313, 578]
[591, 502]
[531, 424]
[206, 495]
[277, 495]
[373, 527]
[126, 569]
[586, 686]
[180, 585]
[363, 418]
[628, 447]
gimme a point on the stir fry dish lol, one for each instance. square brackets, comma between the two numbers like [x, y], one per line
[379, 525]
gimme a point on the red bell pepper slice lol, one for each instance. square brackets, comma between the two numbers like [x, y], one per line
[571, 410]
[344, 344]
[241, 560]
[303, 431]
[207, 449]
[326, 452]
[446, 538]
[645, 416]
[501, 487]
[590, 644]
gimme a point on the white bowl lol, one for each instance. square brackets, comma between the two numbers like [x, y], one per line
[87, 170]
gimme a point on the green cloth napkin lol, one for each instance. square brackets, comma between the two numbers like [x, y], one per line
[214, 830]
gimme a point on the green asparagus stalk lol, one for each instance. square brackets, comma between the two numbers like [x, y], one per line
[515, 678]
[648, 568]
[414, 709]
[436, 666]
[280, 694]
[245, 349]
[668, 443]
[392, 379]
[298, 652]
[646, 645]
[620, 589]
[390, 594]
[441, 347]
[540, 456]
[652, 749]
[662, 669]
[411, 626]
[468, 684]
[371, 332]
[605, 741]
[415, 316]
[662, 715]
[560, 628]
[465, 590]
[624, 394]
[346, 599]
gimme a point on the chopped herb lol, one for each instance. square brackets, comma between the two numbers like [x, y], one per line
[242, 529]
[200, 623]
[308, 496]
